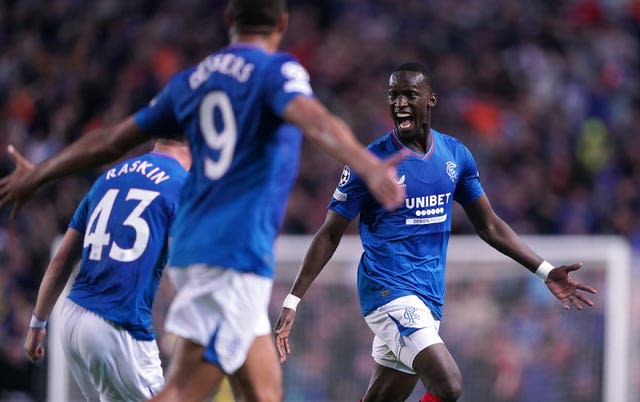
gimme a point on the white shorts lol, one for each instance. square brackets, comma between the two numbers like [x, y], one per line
[108, 364]
[221, 309]
[403, 327]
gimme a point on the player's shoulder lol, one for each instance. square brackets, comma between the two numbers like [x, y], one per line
[448, 140]
[288, 65]
[384, 145]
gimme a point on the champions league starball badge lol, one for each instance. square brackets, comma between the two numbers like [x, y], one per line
[344, 178]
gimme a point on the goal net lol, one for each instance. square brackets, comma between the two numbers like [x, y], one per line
[509, 335]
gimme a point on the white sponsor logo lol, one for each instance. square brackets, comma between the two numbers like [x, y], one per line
[427, 201]
[426, 221]
[428, 208]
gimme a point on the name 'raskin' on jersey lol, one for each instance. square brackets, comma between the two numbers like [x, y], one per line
[144, 168]
[224, 63]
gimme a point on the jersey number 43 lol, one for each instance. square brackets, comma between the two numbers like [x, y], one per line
[98, 238]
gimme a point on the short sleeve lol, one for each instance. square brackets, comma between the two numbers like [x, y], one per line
[350, 195]
[79, 219]
[158, 117]
[469, 187]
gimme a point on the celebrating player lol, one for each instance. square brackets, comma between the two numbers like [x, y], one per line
[401, 276]
[234, 107]
[120, 230]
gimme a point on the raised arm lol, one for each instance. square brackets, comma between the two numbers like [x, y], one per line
[498, 234]
[53, 282]
[320, 251]
[91, 150]
[332, 135]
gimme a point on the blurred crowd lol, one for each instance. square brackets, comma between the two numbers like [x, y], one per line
[546, 94]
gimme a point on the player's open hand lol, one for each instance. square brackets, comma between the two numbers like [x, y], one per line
[33, 344]
[17, 186]
[282, 330]
[384, 185]
[566, 289]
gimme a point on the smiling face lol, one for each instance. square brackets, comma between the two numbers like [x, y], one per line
[410, 101]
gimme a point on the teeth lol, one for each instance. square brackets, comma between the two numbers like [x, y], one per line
[402, 115]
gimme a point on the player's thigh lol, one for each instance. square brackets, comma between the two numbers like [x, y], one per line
[71, 336]
[260, 377]
[437, 368]
[389, 385]
[189, 377]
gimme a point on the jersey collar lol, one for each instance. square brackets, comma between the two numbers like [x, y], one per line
[419, 155]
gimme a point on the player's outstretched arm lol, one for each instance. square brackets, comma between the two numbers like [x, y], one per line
[563, 287]
[91, 150]
[500, 236]
[53, 282]
[332, 135]
[320, 250]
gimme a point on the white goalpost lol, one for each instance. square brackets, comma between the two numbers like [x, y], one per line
[607, 261]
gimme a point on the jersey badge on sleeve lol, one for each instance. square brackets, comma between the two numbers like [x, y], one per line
[297, 78]
[339, 195]
[344, 177]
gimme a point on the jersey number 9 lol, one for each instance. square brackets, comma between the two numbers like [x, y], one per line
[224, 140]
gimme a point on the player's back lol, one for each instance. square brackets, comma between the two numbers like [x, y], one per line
[125, 218]
[245, 158]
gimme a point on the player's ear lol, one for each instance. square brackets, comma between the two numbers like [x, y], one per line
[432, 100]
[283, 22]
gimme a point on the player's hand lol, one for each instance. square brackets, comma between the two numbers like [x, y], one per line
[33, 344]
[19, 185]
[383, 182]
[282, 330]
[566, 289]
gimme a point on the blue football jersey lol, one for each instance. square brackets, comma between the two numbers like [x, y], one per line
[405, 250]
[245, 158]
[125, 218]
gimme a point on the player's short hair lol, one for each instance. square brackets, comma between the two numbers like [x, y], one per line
[257, 16]
[417, 68]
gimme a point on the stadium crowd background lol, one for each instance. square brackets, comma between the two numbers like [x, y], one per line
[546, 94]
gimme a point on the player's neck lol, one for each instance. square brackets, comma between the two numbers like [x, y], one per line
[420, 143]
[270, 43]
[179, 152]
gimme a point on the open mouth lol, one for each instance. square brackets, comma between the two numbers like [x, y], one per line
[404, 121]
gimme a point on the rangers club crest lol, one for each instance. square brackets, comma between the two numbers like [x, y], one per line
[451, 170]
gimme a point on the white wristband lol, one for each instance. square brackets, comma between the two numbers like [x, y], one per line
[291, 301]
[543, 269]
[37, 323]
